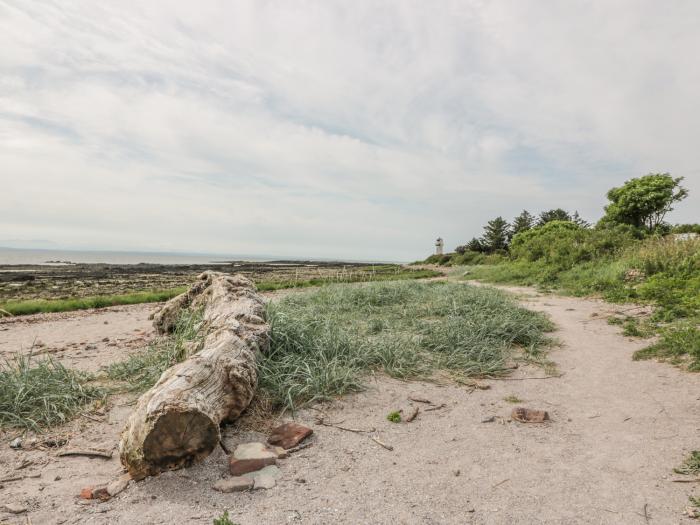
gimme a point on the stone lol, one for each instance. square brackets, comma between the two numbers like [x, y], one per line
[529, 415]
[289, 435]
[117, 485]
[253, 451]
[15, 508]
[98, 492]
[235, 484]
[238, 467]
[266, 478]
[16, 443]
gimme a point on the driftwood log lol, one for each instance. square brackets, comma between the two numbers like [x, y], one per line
[177, 421]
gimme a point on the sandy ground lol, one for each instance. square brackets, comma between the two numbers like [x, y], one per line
[618, 428]
[84, 339]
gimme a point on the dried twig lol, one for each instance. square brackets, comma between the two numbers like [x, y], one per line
[91, 453]
[381, 443]
[321, 421]
[500, 483]
[436, 407]
[525, 378]
[421, 400]
[687, 480]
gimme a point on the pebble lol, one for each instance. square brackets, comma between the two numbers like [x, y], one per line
[289, 435]
[15, 508]
[16, 443]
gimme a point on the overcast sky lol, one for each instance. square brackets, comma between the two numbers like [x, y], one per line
[349, 129]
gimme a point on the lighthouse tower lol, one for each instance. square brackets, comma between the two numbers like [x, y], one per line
[439, 245]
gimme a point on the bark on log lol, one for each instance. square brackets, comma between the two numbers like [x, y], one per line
[177, 421]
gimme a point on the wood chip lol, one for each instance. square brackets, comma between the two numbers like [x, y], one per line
[382, 444]
[412, 415]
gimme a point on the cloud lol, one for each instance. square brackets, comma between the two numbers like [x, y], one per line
[360, 130]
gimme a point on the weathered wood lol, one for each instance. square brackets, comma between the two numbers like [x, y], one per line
[177, 421]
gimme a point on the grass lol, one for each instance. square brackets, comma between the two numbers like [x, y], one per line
[324, 342]
[662, 272]
[223, 519]
[512, 399]
[691, 465]
[376, 273]
[36, 394]
[394, 417]
[35, 306]
[142, 370]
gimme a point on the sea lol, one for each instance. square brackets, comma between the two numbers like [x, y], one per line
[11, 256]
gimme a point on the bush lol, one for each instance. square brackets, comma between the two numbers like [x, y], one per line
[563, 244]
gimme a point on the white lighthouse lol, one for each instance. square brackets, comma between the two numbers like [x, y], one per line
[439, 245]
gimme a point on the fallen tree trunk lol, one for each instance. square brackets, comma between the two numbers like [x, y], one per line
[177, 421]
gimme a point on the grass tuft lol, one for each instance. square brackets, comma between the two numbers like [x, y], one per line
[35, 394]
[691, 465]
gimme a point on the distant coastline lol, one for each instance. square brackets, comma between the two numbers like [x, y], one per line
[30, 256]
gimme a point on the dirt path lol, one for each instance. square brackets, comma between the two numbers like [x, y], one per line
[618, 428]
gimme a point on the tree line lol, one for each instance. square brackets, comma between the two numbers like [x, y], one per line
[640, 205]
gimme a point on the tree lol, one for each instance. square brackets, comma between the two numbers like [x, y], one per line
[577, 219]
[461, 249]
[643, 202]
[553, 215]
[521, 223]
[496, 234]
[475, 245]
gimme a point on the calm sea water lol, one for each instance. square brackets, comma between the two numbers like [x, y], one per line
[25, 256]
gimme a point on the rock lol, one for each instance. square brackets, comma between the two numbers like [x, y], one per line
[15, 508]
[266, 478]
[250, 457]
[528, 415]
[105, 340]
[235, 484]
[16, 443]
[98, 492]
[90, 347]
[39, 343]
[117, 485]
[289, 435]
[281, 453]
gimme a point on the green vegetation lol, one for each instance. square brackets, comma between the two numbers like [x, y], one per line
[691, 465]
[627, 257]
[223, 519]
[42, 393]
[142, 369]
[389, 272]
[512, 399]
[324, 342]
[101, 301]
[394, 417]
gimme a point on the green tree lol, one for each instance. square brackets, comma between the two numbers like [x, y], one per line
[553, 215]
[577, 219]
[496, 234]
[521, 223]
[643, 202]
[475, 245]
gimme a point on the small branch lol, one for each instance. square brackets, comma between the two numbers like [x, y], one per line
[299, 447]
[321, 421]
[91, 453]
[381, 443]
[500, 483]
[690, 480]
[437, 407]
[421, 400]
[524, 378]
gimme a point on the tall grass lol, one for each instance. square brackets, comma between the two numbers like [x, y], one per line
[42, 393]
[324, 342]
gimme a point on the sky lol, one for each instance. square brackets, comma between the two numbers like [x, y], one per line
[336, 129]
